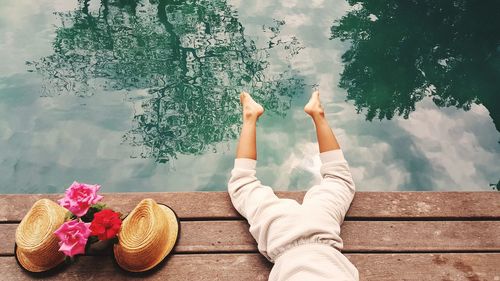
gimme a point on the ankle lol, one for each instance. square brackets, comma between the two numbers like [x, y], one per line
[317, 115]
[250, 117]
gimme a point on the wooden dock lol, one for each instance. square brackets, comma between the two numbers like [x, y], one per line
[387, 235]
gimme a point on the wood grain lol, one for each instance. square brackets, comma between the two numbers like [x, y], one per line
[253, 267]
[366, 205]
[358, 236]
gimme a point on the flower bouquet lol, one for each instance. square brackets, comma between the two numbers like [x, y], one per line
[87, 221]
[52, 235]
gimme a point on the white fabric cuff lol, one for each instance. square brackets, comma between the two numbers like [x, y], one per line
[332, 156]
[245, 163]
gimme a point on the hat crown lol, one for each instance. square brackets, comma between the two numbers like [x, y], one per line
[147, 220]
[147, 235]
[37, 227]
[37, 245]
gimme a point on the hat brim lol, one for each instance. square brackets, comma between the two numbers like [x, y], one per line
[25, 263]
[173, 237]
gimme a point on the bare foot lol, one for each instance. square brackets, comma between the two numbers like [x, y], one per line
[251, 109]
[314, 107]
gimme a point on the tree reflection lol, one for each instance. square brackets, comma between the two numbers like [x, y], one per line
[495, 186]
[191, 56]
[403, 51]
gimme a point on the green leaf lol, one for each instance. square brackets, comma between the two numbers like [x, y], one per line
[92, 239]
[89, 216]
[69, 216]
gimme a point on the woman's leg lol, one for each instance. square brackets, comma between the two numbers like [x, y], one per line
[253, 200]
[247, 147]
[326, 138]
[336, 190]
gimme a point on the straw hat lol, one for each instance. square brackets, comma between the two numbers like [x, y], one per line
[147, 236]
[37, 247]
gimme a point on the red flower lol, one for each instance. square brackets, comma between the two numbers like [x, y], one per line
[106, 224]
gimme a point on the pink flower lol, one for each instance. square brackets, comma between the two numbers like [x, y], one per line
[73, 236]
[79, 197]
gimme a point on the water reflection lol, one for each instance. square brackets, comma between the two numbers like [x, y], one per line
[403, 51]
[191, 56]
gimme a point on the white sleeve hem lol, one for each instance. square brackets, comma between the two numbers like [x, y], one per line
[332, 156]
[245, 163]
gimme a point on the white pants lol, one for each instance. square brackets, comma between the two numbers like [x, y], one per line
[303, 240]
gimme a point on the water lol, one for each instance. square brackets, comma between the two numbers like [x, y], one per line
[143, 95]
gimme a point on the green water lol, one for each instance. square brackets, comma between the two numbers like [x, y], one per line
[143, 95]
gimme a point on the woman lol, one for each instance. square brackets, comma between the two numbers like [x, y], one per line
[302, 240]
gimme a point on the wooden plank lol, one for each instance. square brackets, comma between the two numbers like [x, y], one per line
[359, 236]
[187, 205]
[196, 236]
[253, 267]
[421, 236]
[215, 236]
[366, 205]
[182, 267]
[417, 267]
[446, 205]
